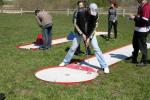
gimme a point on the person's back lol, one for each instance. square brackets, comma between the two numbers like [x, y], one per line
[45, 18]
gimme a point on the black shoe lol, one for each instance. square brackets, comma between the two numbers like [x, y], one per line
[141, 64]
[148, 61]
[88, 53]
[78, 53]
[134, 62]
[2, 96]
[43, 48]
[129, 58]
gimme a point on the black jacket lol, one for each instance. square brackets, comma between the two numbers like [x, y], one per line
[85, 21]
[91, 24]
[81, 19]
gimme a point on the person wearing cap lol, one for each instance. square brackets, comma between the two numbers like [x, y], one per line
[79, 20]
[141, 31]
[88, 37]
[44, 21]
[112, 19]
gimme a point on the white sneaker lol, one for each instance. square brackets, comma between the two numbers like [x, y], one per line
[106, 70]
[62, 64]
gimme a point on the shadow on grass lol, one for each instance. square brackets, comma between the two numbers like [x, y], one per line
[119, 56]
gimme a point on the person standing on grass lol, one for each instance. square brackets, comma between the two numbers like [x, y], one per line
[45, 23]
[80, 22]
[88, 37]
[112, 19]
[142, 28]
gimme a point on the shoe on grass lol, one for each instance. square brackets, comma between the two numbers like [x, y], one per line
[141, 64]
[106, 70]
[43, 48]
[134, 61]
[63, 64]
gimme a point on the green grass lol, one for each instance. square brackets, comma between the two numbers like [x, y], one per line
[17, 67]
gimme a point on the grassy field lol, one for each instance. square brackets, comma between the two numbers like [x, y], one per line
[17, 80]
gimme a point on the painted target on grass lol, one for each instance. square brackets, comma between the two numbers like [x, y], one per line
[70, 74]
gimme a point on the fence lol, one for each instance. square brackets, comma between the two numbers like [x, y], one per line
[120, 11]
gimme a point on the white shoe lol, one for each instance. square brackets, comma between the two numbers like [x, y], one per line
[62, 64]
[106, 70]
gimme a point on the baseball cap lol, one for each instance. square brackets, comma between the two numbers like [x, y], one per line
[93, 9]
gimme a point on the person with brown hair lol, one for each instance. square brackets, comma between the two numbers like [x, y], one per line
[112, 19]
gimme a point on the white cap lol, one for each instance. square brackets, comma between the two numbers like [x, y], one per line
[93, 9]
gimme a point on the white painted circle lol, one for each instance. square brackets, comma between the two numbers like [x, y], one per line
[66, 75]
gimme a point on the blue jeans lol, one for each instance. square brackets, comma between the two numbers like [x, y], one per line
[97, 51]
[47, 36]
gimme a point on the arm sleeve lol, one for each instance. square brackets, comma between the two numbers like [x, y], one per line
[115, 14]
[94, 29]
[38, 21]
[144, 18]
[75, 23]
[74, 16]
[108, 13]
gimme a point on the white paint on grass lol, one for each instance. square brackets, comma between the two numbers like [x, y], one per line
[59, 41]
[112, 57]
[29, 46]
[54, 42]
[75, 73]
[67, 75]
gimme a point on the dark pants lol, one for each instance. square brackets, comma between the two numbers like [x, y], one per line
[47, 36]
[139, 43]
[114, 25]
[78, 50]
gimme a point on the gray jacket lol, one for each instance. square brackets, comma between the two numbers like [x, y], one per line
[112, 14]
[44, 19]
